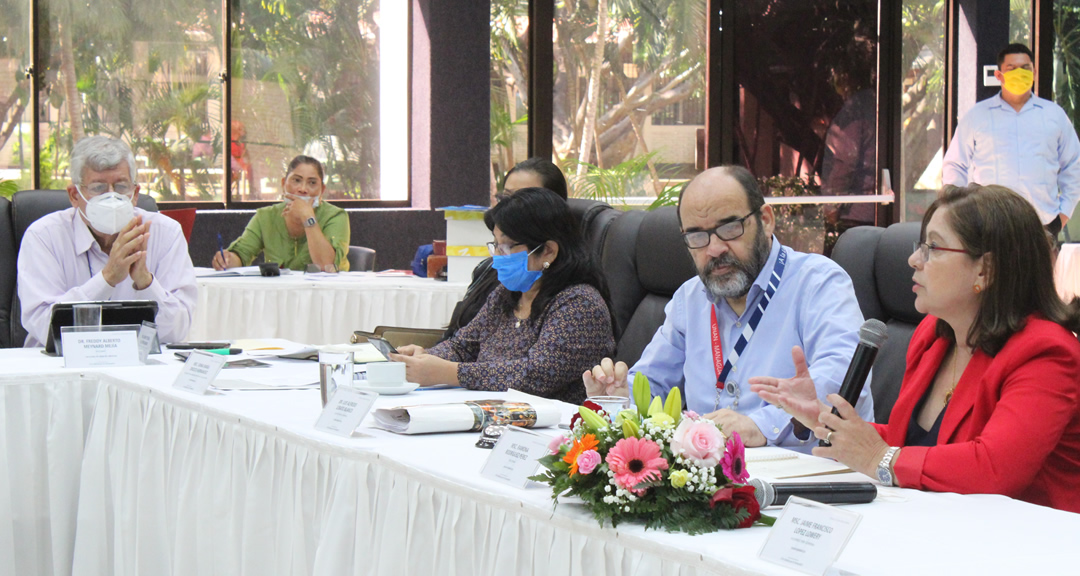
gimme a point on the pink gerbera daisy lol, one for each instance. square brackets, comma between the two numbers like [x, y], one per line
[635, 461]
[734, 462]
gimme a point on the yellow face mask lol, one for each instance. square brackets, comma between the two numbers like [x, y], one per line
[1018, 80]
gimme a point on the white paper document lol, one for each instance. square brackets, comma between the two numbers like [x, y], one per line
[516, 408]
[780, 463]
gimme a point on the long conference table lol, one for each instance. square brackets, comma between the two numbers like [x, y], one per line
[114, 472]
[320, 308]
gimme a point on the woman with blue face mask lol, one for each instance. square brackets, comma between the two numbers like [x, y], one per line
[547, 321]
[301, 230]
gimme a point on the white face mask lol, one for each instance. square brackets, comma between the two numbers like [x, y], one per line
[313, 200]
[108, 213]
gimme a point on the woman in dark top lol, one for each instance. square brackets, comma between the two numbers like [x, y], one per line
[545, 324]
[990, 401]
[535, 172]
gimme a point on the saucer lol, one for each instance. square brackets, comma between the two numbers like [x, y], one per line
[403, 388]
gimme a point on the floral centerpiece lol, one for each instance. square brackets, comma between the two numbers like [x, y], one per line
[655, 464]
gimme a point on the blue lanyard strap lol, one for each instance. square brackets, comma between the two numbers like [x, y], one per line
[759, 311]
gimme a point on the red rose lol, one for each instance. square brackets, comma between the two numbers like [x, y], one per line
[588, 404]
[744, 498]
[741, 498]
[721, 495]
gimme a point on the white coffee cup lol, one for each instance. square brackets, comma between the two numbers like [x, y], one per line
[385, 373]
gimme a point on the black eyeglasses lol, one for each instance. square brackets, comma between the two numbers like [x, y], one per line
[726, 231]
[924, 249]
[501, 249]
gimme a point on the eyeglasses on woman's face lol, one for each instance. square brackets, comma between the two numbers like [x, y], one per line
[501, 249]
[727, 231]
[924, 249]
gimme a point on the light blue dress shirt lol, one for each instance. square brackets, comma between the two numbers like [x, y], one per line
[814, 307]
[1033, 152]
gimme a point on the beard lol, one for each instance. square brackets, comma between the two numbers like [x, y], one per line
[737, 282]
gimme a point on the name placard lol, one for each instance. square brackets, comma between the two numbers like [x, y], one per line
[345, 410]
[515, 456]
[100, 348]
[199, 371]
[809, 536]
[147, 334]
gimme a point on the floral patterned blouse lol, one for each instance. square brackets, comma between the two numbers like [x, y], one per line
[545, 357]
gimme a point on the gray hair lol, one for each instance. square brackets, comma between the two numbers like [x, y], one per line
[100, 153]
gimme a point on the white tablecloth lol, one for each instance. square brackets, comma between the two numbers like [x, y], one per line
[1067, 271]
[322, 311]
[241, 483]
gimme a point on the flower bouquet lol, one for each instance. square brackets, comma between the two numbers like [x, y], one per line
[656, 464]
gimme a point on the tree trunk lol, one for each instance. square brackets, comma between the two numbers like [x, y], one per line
[594, 87]
[72, 100]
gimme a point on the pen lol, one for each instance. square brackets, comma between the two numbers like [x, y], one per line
[221, 247]
[225, 351]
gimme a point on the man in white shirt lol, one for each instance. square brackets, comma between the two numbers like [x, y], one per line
[104, 248]
[1019, 141]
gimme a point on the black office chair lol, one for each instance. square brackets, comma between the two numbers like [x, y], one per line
[644, 262]
[361, 259]
[8, 258]
[876, 259]
[26, 207]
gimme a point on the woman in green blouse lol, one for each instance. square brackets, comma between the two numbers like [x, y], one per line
[301, 230]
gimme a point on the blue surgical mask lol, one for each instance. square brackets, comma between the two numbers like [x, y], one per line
[513, 271]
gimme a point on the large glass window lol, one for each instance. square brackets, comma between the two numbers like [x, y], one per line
[306, 80]
[15, 89]
[923, 106]
[120, 68]
[807, 98]
[1067, 60]
[509, 86]
[628, 95]
[318, 77]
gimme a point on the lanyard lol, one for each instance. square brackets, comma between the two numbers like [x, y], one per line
[723, 368]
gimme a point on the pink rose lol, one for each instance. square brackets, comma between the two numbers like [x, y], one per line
[700, 441]
[690, 414]
[588, 461]
[556, 443]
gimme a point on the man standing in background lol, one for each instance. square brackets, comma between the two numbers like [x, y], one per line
[1020, 141]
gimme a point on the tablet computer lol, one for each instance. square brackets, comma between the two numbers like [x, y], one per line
[113, 313]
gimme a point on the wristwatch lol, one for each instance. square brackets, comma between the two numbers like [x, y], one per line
[884, 468]
[310, 222]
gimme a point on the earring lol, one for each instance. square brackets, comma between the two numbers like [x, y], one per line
[547, 265]
[978, 288]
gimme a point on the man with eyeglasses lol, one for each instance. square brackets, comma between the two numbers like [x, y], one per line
[1020, 141]
[752, 302]
[104, 248]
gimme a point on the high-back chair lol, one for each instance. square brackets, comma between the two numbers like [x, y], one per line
[876, 259]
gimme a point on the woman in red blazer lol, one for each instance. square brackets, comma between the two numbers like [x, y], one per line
[996, 411]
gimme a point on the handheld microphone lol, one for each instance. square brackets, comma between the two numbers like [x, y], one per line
[825, 492]
[872, 335]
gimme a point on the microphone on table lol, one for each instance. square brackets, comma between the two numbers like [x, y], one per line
[872, 335]
[825, 492]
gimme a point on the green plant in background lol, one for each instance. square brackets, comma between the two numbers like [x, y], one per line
[1067, 58]
[8, 188]
[799, 226]
[628, 178]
